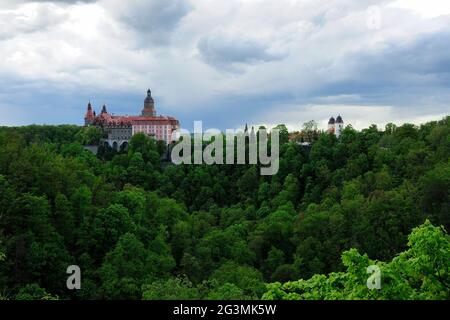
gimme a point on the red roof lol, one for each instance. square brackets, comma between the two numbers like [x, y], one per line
[130, 120]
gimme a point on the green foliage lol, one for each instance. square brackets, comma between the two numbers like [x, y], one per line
[170, 289]
[90, 135]
[421, 272]
[34, 292]
[140, 227]
[248, 279]
[227, 291]
[284, 133]
[124, 269]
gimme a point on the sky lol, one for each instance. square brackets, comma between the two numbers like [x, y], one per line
[226, 62]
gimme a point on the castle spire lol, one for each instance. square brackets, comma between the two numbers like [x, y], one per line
[89, 117]
[339, 126]
[331, 125]
[149, 105]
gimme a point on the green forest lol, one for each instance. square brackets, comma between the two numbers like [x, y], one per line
[140, 227]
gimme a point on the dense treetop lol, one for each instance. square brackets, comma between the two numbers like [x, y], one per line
[142, 228]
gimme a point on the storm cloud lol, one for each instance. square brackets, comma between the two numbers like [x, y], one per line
[154, 20]
[258, 61]
[229, 52]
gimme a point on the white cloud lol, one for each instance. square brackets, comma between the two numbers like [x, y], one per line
[29, 18]
[301, 52]
[426, 9]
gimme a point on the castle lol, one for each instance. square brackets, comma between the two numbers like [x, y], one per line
[119, 129]
[336, 126]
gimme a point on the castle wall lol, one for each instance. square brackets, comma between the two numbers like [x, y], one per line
[120, 129]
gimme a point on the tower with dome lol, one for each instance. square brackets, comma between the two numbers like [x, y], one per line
[335, 126]
[119, 129]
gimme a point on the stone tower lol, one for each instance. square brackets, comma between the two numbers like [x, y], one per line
[339, 126]
[331, 125]
[90, 115]
[336, 126]
[149, 106]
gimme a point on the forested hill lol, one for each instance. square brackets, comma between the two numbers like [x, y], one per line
[139, 230]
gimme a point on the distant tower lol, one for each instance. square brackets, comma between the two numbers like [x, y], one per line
[339, 126]
[149, 106]
[104, 110]
[90, 116]
[331, 125]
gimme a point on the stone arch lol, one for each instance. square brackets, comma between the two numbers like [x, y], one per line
[124, 146]
[115, 145]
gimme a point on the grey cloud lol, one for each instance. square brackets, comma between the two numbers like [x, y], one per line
[402, 71]
[153, 20]
[427, 55]
[13, 23]
[225, 52]
[322, 68]
[14, 3]
[53, 1]
[413, 77]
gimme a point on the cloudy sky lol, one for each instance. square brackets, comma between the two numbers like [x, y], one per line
[226, 62]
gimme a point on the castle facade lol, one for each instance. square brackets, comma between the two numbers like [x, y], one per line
[119, 129]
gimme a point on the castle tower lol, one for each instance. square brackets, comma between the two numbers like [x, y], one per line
[149, 106]
[90, 116]
[104, 110]
[331, 125]
[339, 126]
